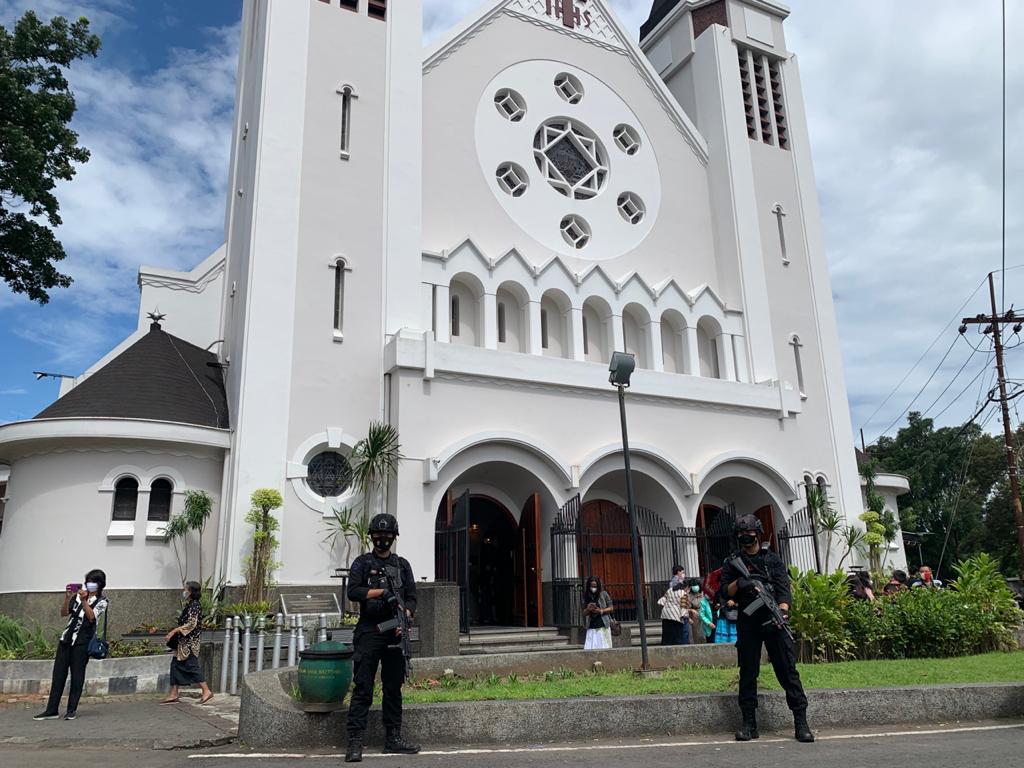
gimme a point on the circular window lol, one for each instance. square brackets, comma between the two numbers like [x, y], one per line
[631, 207]
[329, 474]
[571, 158]
[576, 231]
[569, 87]
[512, 179]
[510, 105]
[627, 139]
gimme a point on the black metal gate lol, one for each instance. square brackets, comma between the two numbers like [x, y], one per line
[451, 554]
[798, 542]
[717, 539]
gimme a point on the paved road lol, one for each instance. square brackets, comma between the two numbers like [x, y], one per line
[999, 744]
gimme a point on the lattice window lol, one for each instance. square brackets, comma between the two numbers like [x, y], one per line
[763, 102]
[571, 158]
[161, 492]
[631, 207]
[510, 104]
[329, 474]
[627, 139]
[569, 88]
[126, 498]
[512, 179]
[748, 94]
[377, 9]
[775, 80]
[575, 231]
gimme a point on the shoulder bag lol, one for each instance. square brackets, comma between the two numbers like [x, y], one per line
[99, 648]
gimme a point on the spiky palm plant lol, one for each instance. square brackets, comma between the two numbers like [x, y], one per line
[375, 460]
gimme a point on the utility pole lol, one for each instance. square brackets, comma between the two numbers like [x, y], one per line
[994, 325]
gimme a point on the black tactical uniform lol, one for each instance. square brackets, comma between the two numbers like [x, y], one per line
[373, 648]
[757, 630]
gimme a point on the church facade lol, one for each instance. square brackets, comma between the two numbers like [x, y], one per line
[454, 241]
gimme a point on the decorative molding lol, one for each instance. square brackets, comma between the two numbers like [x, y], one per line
[182, 283]
[128, 451]
[297, 469]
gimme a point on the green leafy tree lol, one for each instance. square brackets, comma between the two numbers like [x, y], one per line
[260, 563]
[194, 516]
[37, 146]
[826, 517]
[873, 538]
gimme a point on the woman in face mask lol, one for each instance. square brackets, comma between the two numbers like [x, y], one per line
[597, 615]
[675, 615]
[703, 621]
[184, 641]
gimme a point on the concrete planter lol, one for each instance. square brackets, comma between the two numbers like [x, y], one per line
[109, 677]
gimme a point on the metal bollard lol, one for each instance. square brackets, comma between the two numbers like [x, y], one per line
[302, 635]
[275, 662]
[293, 636]
[225, 660]
[321, 636]
[234, 656]
[247, 644]
[261, 625]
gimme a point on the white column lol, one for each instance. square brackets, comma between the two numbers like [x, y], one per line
[576, 325]
[442, 313]
[490, 321]
[427, 306]
[533, 328]
[655, 354]
[739, 346]
[618, 334]
[726, 361]
[692, 351]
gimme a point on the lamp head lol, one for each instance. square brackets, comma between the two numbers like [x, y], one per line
[621, 368]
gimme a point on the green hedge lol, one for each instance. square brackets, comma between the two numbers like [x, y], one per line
[976, 614]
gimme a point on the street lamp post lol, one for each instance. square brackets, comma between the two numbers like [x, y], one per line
[620, 369]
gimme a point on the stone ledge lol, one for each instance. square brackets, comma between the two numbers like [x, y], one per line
[270, 719]
[107, 677]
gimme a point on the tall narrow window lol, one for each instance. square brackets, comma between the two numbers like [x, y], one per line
[352, 5]
[339, 297]
[378, 9]
[586, 337]
[795, 342]
[160, 493]
[780, 214]
[544, 328]
[346, 120]
[126, 497]
[455, 315]
[501, 322]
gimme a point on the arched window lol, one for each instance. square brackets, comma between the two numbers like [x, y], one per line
[455, 315]
[501, 322]
[586, 337]
[707, 348]
[544, 329]
[339, 297]
[126, 497]
[779, 213]
[346, 120]
[160, 493]
[797, 346]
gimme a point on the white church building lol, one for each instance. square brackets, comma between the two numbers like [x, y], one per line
[454, 241]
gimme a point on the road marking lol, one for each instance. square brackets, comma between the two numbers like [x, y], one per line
[594, 747]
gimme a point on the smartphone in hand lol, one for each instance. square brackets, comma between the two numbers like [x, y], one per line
[73, 588]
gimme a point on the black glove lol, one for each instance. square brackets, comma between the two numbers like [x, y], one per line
[744, 586]
[390, 598]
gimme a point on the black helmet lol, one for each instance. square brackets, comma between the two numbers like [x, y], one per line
[384, 523]
[748, 523]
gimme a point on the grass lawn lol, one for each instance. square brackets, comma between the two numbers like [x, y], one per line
[987, 668]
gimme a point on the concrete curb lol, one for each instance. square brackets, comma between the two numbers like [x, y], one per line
[108, 677]
[270, 719]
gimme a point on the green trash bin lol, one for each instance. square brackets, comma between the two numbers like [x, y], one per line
[325, 674]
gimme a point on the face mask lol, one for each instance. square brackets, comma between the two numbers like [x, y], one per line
[184, 595]
[747, 540]
[383, 543]
[92, 586]
[593, 590]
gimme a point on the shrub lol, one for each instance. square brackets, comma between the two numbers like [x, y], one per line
[19, 642]
[981, 584]
[818, 614]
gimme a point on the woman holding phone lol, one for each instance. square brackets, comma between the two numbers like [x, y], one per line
[83, 605]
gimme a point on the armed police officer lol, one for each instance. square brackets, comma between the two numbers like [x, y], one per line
[382, 583]
[746, 577]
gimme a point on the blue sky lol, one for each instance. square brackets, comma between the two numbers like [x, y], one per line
[903, 105]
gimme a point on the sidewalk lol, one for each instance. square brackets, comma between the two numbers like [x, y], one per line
[137, 722]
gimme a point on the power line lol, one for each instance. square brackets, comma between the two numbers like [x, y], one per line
[951, 381]
[952, 402]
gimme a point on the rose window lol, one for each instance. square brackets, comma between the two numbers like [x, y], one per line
[329, 474]
[571, 158]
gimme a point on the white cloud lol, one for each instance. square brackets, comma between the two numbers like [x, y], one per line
[16, 391]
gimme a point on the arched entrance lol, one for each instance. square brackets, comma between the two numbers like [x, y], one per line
[607, 551]
[493, 557]
[725, 501]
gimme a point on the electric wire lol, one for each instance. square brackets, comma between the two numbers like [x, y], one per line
[963, 367]
[956, 399]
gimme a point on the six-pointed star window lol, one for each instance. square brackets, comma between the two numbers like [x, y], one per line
[571, 158]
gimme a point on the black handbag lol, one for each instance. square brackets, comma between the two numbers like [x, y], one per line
[100, 648]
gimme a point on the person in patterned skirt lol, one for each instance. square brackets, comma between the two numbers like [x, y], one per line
[184, 641]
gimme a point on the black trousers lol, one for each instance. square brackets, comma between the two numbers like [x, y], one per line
[750, 637]
[374, 648]
[73, 659]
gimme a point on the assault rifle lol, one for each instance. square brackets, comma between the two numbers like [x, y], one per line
[763, 599]
[400, 622]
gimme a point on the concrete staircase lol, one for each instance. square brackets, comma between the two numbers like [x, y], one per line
[483, 640]
[653, 632]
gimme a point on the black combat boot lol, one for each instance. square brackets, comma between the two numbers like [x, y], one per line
[355, 748]
[802, 730]
[394, 744]
[748, 730]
